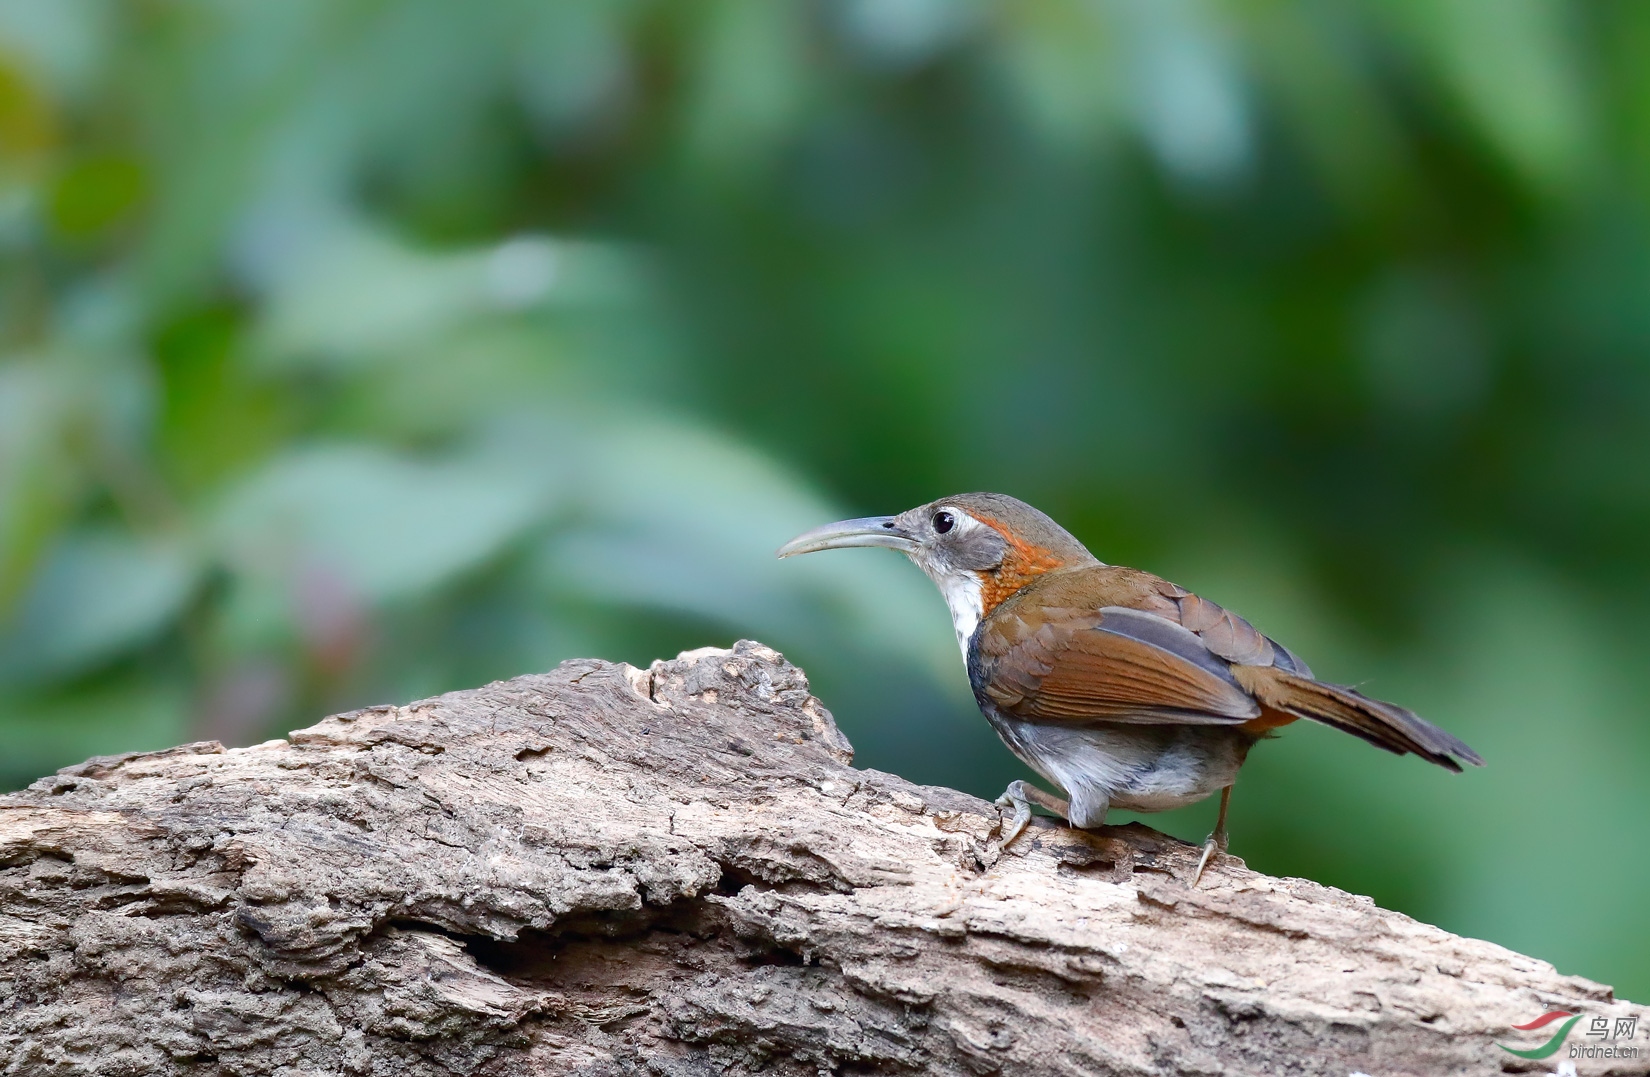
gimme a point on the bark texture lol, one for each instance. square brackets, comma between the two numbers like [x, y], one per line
[676, 871]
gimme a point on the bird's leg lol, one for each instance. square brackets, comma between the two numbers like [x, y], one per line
[1217, 840]
[1020, 797]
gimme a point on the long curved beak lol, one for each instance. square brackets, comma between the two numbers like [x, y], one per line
[870, 531]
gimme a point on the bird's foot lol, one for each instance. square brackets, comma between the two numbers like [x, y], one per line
[1216, 843]
[1021, 797]
[1015, 797]
[1217, 839]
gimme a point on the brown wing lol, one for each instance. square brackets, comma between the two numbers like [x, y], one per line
[1106, 644]
[1230, 636]
[1111, 663]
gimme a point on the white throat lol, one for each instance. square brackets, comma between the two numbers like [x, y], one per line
[962, 595]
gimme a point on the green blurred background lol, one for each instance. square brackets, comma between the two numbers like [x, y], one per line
[356, 350]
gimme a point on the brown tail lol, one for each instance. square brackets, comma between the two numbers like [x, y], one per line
[1381, 724]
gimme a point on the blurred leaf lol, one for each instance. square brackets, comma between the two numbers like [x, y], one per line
[96, 193]
[217, 415]
[363, 297]
[1512, 67]
[39, 480]
[124, 714]
[904, 33]
[64, 41]
[573, 67]
[350, 296]
[1311, 59]
[97, 595]
[749, 67]
[388, 526]
[1061, 58]
[1188, 97]
[669, 516]
[28, 124]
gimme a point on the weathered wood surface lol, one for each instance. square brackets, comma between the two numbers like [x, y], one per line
[605, 870]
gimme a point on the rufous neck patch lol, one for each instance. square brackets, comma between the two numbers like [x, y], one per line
[1022, 563]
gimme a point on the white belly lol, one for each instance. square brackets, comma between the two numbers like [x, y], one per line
[1134, 767]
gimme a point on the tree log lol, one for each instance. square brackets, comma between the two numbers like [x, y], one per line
[676, 871]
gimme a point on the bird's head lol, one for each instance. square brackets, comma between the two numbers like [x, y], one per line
[978, 548]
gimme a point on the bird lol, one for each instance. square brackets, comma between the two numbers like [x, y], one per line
[1119, 688]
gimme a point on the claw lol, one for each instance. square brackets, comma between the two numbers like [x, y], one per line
[1014, 797]
[1217, 840]
[1209, 850]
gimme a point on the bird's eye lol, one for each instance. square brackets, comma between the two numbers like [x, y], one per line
[943, 522]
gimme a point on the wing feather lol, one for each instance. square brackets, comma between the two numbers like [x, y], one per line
[1106, 644]
[1111, 664]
